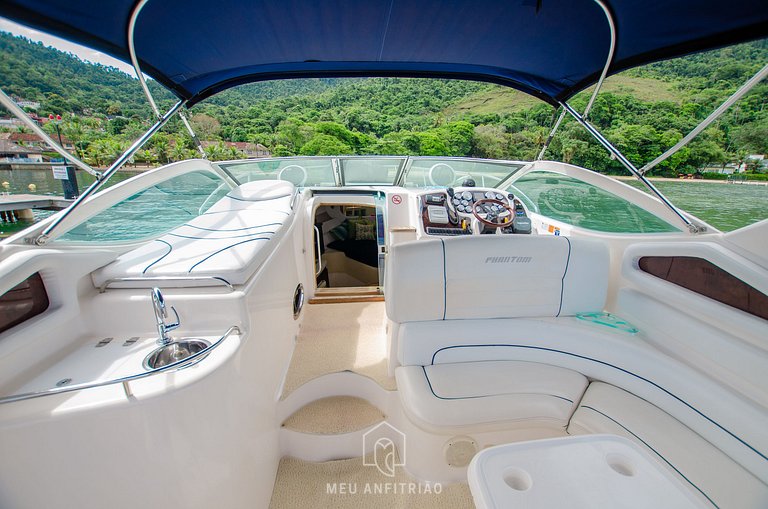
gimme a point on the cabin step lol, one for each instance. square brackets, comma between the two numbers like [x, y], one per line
[334, 416]
[347, 294]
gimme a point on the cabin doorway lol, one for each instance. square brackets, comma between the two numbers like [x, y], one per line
[346, 246]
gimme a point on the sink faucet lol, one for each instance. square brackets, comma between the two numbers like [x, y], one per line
[161, 314]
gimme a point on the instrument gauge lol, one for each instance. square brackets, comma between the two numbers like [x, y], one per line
[466, 195]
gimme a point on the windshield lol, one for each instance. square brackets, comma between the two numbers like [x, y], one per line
[413, 172]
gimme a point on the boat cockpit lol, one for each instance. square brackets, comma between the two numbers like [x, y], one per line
[384, 331]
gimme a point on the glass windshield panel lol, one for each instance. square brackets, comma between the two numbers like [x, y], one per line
[433, 172]
[581, 204]
[370, 171]
[152, 211]
[302, 172]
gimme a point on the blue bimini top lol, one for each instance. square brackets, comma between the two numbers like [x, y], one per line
[550, 49]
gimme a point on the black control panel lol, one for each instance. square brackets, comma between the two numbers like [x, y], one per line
[451, 212]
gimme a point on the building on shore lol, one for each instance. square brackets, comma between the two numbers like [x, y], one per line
[33, 140]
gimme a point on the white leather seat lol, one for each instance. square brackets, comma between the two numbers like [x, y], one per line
[435, 284]
[495, 276]
[699, 464]
[486, 396]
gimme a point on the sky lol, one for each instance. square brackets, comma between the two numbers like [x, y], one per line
[81, 51]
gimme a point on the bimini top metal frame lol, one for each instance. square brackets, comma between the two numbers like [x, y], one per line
[524, 82]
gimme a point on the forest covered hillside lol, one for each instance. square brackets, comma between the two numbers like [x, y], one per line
[643, 111]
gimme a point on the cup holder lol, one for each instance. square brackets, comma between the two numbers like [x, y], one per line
[517, 479]
[620, 464]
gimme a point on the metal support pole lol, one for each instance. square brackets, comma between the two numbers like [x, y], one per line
[11, 106]
[195, 139]
[611, 50]
[135, 61]
[551, 136]
[628, 165]
[46, 234]
[746, 87]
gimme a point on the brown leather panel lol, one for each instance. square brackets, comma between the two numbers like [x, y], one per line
[22, 302]
[703, 277]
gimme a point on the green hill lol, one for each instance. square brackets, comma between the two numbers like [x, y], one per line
[643, 111]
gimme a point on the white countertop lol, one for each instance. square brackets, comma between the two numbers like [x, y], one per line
[585, 471]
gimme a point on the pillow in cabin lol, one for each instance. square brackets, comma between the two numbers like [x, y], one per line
[340, 232]
[364, 231]
[351, 224]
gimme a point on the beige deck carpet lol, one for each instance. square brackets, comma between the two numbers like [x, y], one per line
[306, 485]
[341, 337]
[334, 415]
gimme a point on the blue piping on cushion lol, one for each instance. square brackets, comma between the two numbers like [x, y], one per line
[219, 238]
[170, 248]
[615, 367]
[445, 282]
[245, 210]
[230, 229]
[429, 382]
[221, 250]
[562, 280]
[654, 450]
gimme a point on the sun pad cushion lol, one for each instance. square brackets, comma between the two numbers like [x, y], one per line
[231, 240]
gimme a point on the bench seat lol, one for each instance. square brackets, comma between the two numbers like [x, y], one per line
[698, 463]
[489, 395]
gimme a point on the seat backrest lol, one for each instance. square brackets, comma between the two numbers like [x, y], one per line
[495, 276]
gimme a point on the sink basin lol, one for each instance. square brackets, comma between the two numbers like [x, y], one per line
[174, 352]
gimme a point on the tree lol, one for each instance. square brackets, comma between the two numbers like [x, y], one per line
[205, 126]
[325, 145]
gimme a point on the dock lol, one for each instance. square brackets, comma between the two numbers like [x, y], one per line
[19, 206]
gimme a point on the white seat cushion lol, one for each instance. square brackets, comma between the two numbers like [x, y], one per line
[489, 395]
[495, 276]
[698, 463]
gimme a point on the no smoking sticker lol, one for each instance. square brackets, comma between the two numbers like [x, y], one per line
[397, 199]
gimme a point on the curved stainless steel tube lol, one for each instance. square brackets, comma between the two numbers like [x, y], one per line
[124, 380]
[611, 51]
[135, 61]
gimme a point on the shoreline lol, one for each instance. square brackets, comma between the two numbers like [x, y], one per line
[668, 179]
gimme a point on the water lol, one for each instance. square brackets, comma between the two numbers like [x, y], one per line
[19, 181]
[724, 206]
[727, 207]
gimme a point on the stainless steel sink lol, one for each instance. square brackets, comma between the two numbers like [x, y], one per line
[174, 352]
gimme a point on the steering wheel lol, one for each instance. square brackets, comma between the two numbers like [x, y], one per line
[485, 220]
